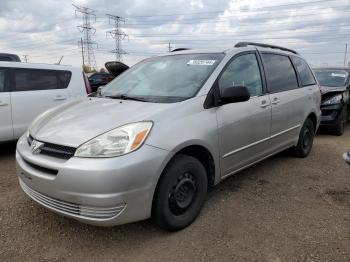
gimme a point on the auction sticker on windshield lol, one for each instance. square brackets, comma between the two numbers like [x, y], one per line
[339, 75]
[201, 62]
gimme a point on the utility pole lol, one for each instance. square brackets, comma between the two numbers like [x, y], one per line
[86, 43]
[117, 34]
[169, 48]
[25, 58]
[346, 51]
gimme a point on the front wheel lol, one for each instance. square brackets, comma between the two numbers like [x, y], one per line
[306, 138]
[180, 193]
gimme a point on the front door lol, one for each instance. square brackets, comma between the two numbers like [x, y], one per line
[244, 127]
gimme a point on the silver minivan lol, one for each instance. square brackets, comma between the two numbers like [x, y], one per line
[152, 141]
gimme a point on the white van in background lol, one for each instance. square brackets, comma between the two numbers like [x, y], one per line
[27, 90]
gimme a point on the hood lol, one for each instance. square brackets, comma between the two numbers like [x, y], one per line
[74, 123]
[329, 89]
[116, 68]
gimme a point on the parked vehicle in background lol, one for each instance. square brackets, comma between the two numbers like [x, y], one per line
[99, 79]
[9, 57]
[156, 137]
[335, 105]
[27, 90]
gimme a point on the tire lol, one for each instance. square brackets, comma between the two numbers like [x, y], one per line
[180, 193]
[306, 138]
[340, 127]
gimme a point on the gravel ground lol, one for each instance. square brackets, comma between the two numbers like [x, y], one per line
[283, 209]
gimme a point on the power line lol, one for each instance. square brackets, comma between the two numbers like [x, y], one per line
[86, 43]
[298, 4]
[238, 22]
[118, 35]
[242, 11]
[227, 18]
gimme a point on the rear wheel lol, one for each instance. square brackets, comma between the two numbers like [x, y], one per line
[306, 138]
[180, 193]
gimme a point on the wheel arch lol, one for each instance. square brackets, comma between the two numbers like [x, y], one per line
[200, 152]
[312, 116]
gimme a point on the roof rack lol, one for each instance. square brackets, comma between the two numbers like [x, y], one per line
[244, 44]
[180, 49]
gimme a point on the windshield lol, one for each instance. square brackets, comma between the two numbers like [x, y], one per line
[164, 79]
[331, 78]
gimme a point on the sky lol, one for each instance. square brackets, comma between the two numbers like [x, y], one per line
[46, 30]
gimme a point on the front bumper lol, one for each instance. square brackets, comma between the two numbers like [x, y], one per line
[105, 192]
[331, 115]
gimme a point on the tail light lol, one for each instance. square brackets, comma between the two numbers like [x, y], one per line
[87, 84]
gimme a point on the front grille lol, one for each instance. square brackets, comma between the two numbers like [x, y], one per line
[58, 151]
[54, 150]
[71, 208]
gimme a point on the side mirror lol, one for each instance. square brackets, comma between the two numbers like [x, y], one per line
[234, 94]
[97, 92]
[99, 89]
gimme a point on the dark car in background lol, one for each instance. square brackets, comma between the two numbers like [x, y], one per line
[335, 85]
[100, 79]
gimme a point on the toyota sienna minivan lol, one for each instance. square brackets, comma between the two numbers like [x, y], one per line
[152, 141]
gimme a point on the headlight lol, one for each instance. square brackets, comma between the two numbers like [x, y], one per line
[332, 100]
[116, 142]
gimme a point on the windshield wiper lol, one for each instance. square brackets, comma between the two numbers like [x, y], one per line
[125, 97]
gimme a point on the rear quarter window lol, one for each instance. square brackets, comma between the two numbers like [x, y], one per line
[304, 71]
[40, 79]
[280, 73]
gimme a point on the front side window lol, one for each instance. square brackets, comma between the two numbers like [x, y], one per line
[242, 71]
[304, 71]
[331, 77]
[164, 79]
[279, 72]
[2, 80]
[38, 79]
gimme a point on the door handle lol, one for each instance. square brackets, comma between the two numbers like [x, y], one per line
[3, 103]
[275, 101]
[264, 104]
[58, 98]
